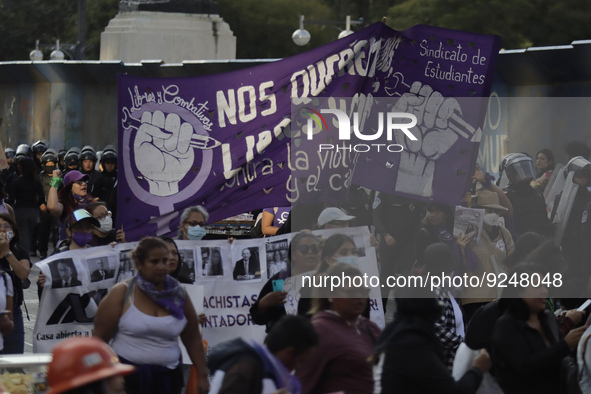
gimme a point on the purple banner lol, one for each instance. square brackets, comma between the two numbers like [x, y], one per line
[223, 141]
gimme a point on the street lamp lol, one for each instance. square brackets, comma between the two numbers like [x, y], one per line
[36, 55]
[347, 31]
[301, 36]
[57, 54]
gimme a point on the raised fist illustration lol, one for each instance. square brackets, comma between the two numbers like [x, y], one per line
[163, 153]
[439, 125]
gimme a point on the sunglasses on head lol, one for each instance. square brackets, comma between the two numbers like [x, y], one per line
[304, 249]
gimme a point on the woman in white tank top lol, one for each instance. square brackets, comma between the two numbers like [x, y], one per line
[144, 316]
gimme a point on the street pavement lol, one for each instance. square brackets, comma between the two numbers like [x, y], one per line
[32, 302]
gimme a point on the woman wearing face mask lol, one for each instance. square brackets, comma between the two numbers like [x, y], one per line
[338, 248]
[79, 228]
[192, 223]
[73, 196]
[14, 260]
[492, 250]
[104, 234]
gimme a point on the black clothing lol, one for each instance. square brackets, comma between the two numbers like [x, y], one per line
[103, 186]
[359, 204]
[92, 177]
[400, 218]
[274, 313]
[25, 193]
[523, 363]
[480, 331]
[529, 210]
[102, 241]
[414, 360]
[97, 276]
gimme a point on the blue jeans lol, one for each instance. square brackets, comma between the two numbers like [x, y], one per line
[14, 343]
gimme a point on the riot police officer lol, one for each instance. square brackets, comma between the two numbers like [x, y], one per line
[104, 185]
[87, 161]
[529, 206]
[72, 160]
[38, 148]
[570, 214]
[61, 159]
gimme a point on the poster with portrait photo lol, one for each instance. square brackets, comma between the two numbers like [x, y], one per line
[366, 262]
[126, 268]
[187, 262]
[100, 268]
[277, 253]
[246, 261]
[212, 261]
[64, 273]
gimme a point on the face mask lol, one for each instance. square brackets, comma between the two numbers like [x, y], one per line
[352, 260]
[82, 239]
[492, 219]
[9, 235]
[195, 233]
[48, 169]
[106, 224]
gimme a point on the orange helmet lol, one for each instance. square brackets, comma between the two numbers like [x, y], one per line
[82, 360]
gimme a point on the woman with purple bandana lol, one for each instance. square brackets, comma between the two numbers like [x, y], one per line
[144, 316]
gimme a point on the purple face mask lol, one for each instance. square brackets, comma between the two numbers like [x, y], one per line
[81, 239]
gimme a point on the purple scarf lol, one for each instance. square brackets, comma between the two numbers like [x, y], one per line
[171, 299]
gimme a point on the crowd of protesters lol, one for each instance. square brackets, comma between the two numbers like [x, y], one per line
[520, 339]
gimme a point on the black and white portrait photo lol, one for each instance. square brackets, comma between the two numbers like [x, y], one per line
[247, 266]
[64, 274]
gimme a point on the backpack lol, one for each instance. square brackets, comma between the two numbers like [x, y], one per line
[257, 229]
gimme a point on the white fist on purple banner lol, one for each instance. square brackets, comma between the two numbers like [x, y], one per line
[435, 133]
[163, 153]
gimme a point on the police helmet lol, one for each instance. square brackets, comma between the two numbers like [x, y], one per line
[39, 147]
[88, 153]
[519, 168]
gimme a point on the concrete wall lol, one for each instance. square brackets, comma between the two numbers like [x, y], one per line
[171, 37]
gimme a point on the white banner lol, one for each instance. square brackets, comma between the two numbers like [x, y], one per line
[224, 287]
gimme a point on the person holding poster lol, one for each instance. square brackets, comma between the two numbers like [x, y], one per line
[79, 227]
[492, 251]
[304, 250]
[143, 318]
[192, 224]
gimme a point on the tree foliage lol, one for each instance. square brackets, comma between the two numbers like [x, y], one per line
[521, 23]
[264, 27]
